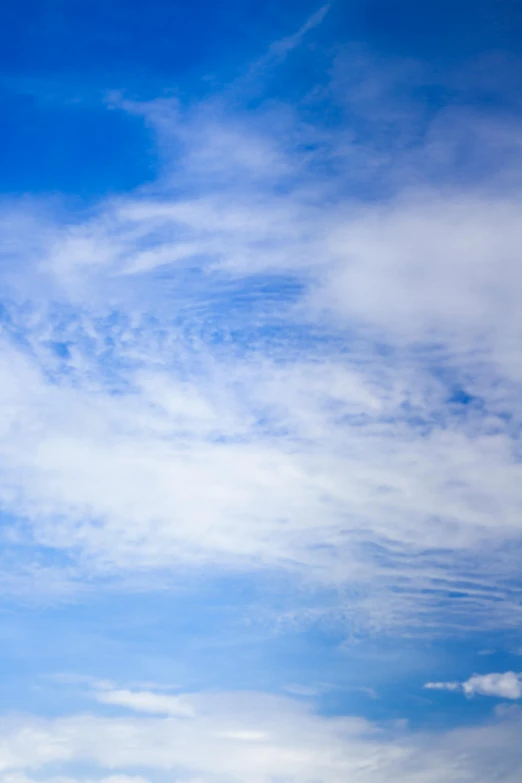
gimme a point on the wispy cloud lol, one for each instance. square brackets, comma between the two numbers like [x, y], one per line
[250, 365]
[507, 685]
[257, 737]
[294, 360]
[16, 777]
[145, 701]
[280, 49]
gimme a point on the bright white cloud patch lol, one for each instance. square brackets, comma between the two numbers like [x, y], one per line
[507, 685]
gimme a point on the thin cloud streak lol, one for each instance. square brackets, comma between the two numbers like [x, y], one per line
[507, 685]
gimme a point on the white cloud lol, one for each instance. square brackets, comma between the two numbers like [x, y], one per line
[178, 471]
[164, 442]
[280, 49]
[146, 701]
[256, 737]
[17, 777]
[442, 266]
[443, 686]
[259, 373]
[507, 685]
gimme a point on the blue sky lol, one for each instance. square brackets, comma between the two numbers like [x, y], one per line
[260, 383]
